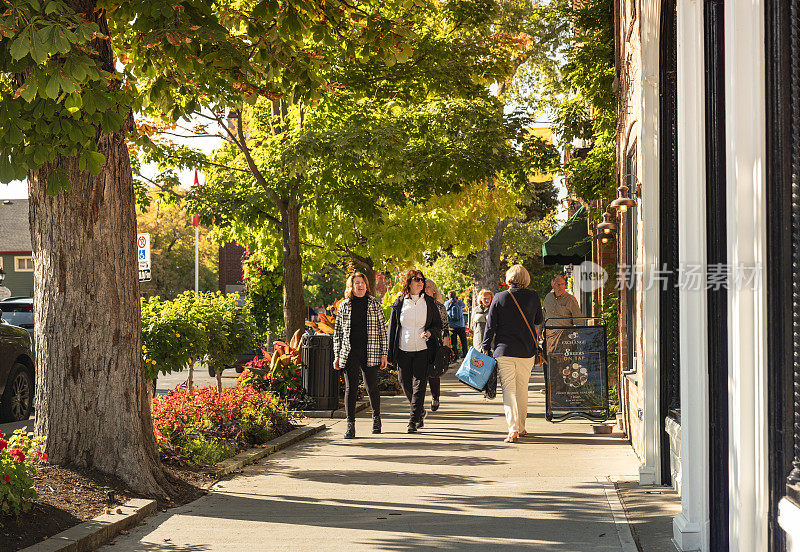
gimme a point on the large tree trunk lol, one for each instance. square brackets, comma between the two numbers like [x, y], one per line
[91, 397]
[487, 271]
[367, 266]
[293, 302]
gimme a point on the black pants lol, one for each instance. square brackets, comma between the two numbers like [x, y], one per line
[461, 333]
[436, 387]
[412, 371]
[355, 361]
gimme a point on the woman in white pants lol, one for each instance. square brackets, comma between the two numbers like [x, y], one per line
[512, 316]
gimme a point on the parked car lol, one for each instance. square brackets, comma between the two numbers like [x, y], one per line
[18, 311]
[241, 360]
[16, 373]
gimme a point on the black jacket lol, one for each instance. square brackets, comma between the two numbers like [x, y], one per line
[433, 324]
[505, 325]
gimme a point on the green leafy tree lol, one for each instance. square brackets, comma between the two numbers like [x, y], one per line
[66, 104]
[325, 286]
[450, 272]
[581, 95]
[392, 138]
[264, 298]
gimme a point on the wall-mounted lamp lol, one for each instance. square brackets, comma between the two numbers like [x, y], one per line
[623, 201]
[603, 237]
[607, 226]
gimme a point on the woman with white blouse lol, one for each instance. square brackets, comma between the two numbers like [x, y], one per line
[415, 329]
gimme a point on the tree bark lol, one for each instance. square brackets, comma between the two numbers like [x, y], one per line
[487, 271]
[91, 397]
[293, 303]
[367, 266]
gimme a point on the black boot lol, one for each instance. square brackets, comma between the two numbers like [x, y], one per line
[376, 424]
[351, 430]
[421, 423]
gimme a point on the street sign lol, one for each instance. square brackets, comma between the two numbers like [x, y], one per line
[576, 374]
[143, 256]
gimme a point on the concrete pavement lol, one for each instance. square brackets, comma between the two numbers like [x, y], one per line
[453, 486]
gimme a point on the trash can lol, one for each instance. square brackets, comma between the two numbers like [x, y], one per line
[320, 380]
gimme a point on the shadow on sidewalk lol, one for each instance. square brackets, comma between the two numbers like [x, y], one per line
[431, 460]
[534, 521]
[169, 547]
[377, 477]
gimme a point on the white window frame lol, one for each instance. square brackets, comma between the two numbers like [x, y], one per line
[17, 263]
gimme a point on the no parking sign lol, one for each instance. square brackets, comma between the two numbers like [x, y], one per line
[143, 256]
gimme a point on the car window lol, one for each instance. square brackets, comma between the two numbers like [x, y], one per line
[18, 314]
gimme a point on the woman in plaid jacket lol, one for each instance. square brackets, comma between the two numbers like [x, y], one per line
[360, 342]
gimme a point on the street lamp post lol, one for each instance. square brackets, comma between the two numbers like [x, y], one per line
[196, 224]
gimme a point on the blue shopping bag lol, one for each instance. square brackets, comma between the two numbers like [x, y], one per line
[476, 369]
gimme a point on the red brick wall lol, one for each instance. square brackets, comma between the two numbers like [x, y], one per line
[230, 265]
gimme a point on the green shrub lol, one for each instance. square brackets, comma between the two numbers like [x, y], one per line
[193, 327]
[206, 450]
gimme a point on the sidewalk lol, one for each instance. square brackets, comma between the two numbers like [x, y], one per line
[453, 486]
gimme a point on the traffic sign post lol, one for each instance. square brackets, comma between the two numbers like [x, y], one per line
[143, 256]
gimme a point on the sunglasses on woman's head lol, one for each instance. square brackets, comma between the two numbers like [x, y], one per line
[417, 279]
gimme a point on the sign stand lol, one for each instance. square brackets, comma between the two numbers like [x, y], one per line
[576, 374]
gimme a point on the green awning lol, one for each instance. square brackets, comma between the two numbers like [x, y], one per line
[570, 244]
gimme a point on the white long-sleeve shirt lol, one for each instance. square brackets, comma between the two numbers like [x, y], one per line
[412, 324]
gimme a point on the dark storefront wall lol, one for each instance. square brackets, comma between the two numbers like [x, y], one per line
[669, 319]
[717, 254]
[783, 256]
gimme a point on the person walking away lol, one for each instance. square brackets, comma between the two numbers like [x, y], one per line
[509, 323]
[360, 343]
[561, 306]
[432, 290]
[415, 328]
[479, 318]
[455, 317]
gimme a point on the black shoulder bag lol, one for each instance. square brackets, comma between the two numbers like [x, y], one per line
[441, 361]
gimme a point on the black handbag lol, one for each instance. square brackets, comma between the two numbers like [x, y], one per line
[490, 391]
[441, 361]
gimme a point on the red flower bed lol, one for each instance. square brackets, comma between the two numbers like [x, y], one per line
[205, 426]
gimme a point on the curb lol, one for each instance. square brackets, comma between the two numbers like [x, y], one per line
[92, 534]
[619, 514]
[251, 455]
[338, 413]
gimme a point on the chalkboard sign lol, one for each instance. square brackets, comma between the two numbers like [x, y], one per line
[576, 374]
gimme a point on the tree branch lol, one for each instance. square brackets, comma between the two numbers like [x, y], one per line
[161, 187]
